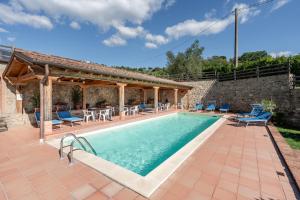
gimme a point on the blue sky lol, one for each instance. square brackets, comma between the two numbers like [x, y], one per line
[138, 33]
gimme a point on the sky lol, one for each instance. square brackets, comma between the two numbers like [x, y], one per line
[138, 33]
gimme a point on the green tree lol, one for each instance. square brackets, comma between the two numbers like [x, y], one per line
[253, 56]
[189, 62]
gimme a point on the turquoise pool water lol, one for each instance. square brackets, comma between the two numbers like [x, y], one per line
[141, 147]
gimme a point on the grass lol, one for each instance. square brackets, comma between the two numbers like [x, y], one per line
[292, 136]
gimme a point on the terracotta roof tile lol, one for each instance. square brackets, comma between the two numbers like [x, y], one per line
[36, 57]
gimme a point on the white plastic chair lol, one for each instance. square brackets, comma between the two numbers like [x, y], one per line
[134, 110]
[87, 115]
[104, 114]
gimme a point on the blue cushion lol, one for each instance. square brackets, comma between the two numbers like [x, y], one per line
[56, 122]
[64, 114]
[72, 119]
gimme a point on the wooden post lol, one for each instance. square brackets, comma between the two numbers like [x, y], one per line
[121, 99]
[84, 94]
[48, 106]
[19, 100]
[42, 127]
[145, 96]
[156, 99]
[175, 98]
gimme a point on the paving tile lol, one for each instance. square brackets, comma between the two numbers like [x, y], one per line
[83, 192]
[224, 194]
[97, 196]
[196, 195]
[248, 192]
[112, 189]
[228, 186]
[125, 194]
[234, 160]
[99, 181]
[204, 188]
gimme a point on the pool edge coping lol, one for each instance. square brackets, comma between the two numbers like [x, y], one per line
[144, 185]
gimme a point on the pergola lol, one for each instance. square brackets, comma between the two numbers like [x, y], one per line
[26, 66]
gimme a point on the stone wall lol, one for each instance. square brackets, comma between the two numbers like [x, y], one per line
[241, 93]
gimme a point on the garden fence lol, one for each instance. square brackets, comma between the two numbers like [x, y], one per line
[257, 72]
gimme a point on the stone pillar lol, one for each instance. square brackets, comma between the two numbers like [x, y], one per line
[145, 96]
[19, 100]
[175, 98]
[188, 99]
[121, 99]
[84, 95]
[156, 99]
[48, 106]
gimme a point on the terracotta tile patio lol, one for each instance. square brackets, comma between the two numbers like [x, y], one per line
[234, 163]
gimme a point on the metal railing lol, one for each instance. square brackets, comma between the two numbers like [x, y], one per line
[72, 149]
[257, 72]
[71, 145]
[296, 81]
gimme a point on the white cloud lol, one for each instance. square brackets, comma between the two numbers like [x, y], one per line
[11, 39]
[114, 40]
[281, 53]
[246, 12]
[103, 13]
[75, 25]
[192, 27]
[169, 3]
[210, 14]
[2, 30]
[157, 39]
[10, 15]
[279, 3]
[151, 45]
[128, 32]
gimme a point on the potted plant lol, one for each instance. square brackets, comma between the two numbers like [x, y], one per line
[269, 105]
[36, 100]
[76, 97]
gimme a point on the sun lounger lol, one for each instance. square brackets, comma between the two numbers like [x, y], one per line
[224, 108]
[198, 106]
[256, 110]
[55, 122]
[211, 107]
[67, 117]
[264, 117]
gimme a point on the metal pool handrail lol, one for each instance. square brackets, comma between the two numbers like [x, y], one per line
[70, 154]
[60, 151]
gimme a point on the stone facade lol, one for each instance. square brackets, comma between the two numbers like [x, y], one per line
[241, 93]
[62, 93]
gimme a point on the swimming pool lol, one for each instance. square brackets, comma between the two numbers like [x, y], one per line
[141, 147]
[141, 155]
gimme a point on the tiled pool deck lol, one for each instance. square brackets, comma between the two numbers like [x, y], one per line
[234, 163]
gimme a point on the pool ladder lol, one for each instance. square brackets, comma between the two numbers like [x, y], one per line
[71, 145]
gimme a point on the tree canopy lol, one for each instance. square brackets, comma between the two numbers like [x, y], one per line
[191, 62]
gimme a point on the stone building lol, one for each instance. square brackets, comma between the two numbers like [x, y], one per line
[29, 77]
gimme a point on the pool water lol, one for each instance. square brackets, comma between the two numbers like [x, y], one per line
[141, 147]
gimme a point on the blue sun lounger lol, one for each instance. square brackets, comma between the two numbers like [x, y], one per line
[211, 107]
[55, 122]
[67, 117]
[224, 108]
[264, 117]
[256, 110]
